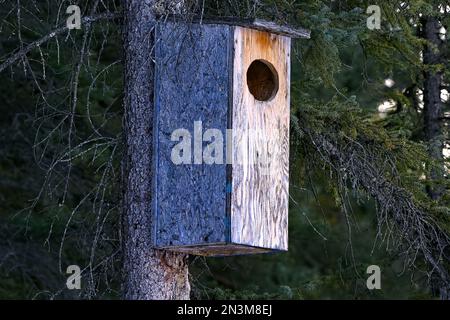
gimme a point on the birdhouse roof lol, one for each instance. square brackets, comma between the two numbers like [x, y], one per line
[252, 23]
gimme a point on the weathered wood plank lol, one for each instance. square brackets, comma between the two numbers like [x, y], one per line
[220, 249]
[259, 204]
[252, 23]
[272, 27]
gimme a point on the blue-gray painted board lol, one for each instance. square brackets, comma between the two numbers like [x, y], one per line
[192, 83]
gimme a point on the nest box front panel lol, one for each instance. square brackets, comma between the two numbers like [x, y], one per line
[260, 122]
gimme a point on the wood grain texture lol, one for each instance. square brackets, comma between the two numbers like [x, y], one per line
[260, 176]
[220, 250]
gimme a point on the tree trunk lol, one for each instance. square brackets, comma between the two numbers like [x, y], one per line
[147, 273]
[433, 106]
[433, 115]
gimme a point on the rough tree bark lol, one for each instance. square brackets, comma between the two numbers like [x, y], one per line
[147, 273]
[432, 116]
[433, 106]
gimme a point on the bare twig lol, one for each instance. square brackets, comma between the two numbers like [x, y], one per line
[60, 30]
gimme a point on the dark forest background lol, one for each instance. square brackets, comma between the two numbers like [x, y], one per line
[60, 154]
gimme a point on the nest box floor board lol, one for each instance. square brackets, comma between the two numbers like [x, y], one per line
[219, 250]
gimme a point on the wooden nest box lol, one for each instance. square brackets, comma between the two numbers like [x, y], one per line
[221, 136]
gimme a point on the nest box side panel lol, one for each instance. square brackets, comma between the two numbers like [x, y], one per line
[260, 172]
[191, 86]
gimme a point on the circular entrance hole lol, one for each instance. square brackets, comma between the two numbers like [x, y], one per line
[262, 80]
